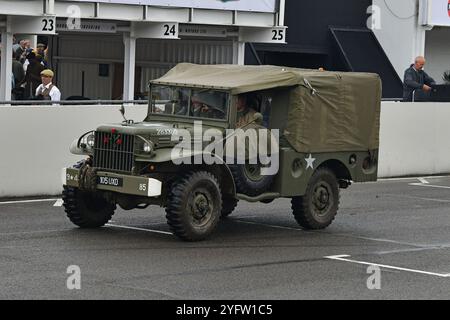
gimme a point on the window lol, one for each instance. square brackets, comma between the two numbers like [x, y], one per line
[187, 102]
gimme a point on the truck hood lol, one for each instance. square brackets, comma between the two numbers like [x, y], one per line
[141, 128]
[150, 128]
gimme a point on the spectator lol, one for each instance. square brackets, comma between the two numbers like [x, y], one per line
[47, 90]
[40, 48]
[19, 76]
[22, 50]
[26, 62]
[39, 58]
[32, 76]
[15, 47]
[18, 49]
[417, 83]
[41, 51]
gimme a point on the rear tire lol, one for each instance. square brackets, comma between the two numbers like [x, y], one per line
[319, 206]
[87, 209]
[194, 206]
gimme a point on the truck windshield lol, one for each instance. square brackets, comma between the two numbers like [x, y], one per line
[189, 102]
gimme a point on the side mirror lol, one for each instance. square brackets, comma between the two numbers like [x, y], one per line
[258, 118]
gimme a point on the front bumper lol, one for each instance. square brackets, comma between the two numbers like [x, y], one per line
[132, 185]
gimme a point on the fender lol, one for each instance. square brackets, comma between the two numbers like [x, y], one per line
[219, 167]
[75, 147]
[165, 155]
[77, 150]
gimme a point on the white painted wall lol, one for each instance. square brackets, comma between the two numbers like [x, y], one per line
[399, 34]
[35, 142]
[437, 52]
[414, 139]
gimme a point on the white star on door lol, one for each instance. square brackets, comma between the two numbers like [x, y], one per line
[310, 162]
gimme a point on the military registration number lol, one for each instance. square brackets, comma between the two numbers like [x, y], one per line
[110, 181]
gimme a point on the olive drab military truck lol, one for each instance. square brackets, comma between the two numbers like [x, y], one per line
[323, 130]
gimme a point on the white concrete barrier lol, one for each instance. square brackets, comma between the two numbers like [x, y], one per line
[414, 139]
[34, 142]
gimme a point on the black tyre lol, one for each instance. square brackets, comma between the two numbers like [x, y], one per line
[248, 179]
[228, 206]
[318, 207]
[87, 209]
[194, 206]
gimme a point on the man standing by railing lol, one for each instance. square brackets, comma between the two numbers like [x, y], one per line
[47, 90]
[418, 84]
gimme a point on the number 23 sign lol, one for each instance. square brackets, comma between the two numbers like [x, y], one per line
[33, 25]
[48, 25]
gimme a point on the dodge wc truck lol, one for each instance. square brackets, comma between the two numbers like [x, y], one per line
[278, 133]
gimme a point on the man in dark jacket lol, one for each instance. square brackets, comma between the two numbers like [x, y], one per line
[417, 83]
[19, 75]
[32, 76]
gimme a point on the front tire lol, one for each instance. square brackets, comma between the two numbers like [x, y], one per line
[318, 207]
[87, 209]
[194, 206]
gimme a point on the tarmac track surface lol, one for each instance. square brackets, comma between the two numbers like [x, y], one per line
[400, 226]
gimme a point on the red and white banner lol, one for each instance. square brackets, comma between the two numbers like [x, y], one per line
[240, 5]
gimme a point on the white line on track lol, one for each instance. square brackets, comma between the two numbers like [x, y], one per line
[344, 258]
[32, 232]
[416, 198]
[58, 203]
[28, 201]
[380, 240]
[138, 229]
[412, 178]
[436, 247]
[332, 234]
[268, 225]
[428, 185]
[423, 181]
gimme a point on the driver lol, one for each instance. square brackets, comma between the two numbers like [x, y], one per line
[204, 110]
[198, 108]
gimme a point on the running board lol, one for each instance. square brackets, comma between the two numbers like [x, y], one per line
[262, 197]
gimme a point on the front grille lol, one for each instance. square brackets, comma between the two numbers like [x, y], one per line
[114, 151]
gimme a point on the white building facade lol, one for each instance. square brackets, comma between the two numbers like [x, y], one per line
[409, 28]
[110, 49]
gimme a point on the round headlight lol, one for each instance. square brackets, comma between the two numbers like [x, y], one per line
[90, 140]
[148, 147]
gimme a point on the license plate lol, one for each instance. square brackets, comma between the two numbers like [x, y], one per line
[110, 181]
